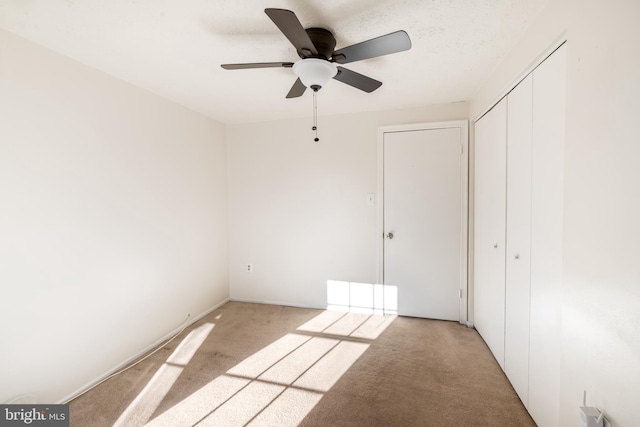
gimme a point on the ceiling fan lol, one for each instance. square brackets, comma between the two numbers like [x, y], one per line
[316, 48]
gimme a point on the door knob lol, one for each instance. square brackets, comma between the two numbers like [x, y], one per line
[389, 236]
[495, 245]
[517, 256]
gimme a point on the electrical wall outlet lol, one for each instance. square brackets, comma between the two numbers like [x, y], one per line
[249, 268]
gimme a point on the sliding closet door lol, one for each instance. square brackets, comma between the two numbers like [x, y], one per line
[518, 248]
[549, 88]
[489, 225]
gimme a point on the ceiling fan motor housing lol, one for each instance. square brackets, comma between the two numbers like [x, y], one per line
[324, 42]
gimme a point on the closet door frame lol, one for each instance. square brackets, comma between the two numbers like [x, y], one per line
[548, 91]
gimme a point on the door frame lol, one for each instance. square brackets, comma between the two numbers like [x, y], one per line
[463, 125]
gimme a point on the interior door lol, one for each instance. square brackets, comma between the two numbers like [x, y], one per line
[423, 208]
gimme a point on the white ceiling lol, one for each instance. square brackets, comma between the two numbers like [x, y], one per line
[174, 48]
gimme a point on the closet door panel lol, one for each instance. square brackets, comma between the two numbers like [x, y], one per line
[549, 88]
[518, 243]
[489, 225]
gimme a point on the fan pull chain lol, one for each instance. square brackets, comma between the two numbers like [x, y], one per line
[315, 115]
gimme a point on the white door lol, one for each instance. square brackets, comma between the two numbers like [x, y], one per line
[518, 246]
[425, 242]
[549, 89]
[489, 227]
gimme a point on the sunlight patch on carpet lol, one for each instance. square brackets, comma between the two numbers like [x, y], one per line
[295, 364]
[348, 324]
[244, 405]
[324, 374]
[148, 400]
[259, 362]
[200, 404]
[289, 409]
[322, 321]
[373, 327]
[279, 384]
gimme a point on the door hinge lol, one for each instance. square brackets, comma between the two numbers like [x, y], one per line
[461, 149]
[460, 293]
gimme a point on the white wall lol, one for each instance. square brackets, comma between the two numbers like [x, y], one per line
[602, 212]
[113, 220]
[601, 287]
[297, 209]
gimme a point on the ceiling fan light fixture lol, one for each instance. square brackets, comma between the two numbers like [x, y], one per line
[314, 72]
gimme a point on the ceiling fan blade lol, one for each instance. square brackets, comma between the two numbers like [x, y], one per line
[297, 89]
[357, 80]
[383, 45]
[257, 65]
[291, 27]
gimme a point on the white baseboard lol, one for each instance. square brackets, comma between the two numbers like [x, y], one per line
[141, 353]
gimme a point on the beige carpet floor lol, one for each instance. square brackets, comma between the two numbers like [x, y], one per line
[255, 364]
